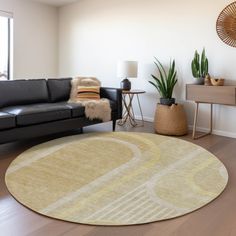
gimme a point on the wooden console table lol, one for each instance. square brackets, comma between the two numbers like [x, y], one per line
[222, 95]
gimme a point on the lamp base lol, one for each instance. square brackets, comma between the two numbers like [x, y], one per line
[125, 84]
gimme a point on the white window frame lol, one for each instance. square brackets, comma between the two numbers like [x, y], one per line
[9, 15]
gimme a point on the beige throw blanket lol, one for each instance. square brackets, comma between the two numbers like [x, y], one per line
[94, 109]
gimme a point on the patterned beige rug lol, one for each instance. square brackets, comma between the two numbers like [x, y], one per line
[116, 178]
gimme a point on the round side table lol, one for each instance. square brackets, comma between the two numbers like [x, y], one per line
[128, 112]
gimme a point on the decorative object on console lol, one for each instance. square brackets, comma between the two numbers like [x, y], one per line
[120, 178]
[199, 67]
[207, 80]
[125, 70]
[94, 108]
[226, 25]
[217, 82]
[165, 83]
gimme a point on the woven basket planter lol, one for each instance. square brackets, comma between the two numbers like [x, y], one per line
[170, 120]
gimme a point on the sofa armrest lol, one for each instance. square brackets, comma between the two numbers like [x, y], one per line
[115, 95]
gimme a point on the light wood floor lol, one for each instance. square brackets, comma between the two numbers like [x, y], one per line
[216, 219]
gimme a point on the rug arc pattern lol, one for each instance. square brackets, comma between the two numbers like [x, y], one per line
[120, 178]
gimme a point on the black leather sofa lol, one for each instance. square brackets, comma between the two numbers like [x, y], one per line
[34, 108]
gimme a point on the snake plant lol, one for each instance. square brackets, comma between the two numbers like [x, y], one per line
[166, 80]
[200, 67]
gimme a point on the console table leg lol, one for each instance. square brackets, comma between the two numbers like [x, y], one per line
[195, 122]
[211, 121]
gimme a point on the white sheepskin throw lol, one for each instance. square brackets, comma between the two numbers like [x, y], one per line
[94, 109]
[98, 109]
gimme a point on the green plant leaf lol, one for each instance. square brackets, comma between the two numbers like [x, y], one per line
[158, 84]
[162, 67]
[195, 69]
[170, 78]
[154, 85]
[206, 67]
[162, 78]
[197, 60]
[203, 60]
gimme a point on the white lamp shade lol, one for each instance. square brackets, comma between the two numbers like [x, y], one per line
[127, 69]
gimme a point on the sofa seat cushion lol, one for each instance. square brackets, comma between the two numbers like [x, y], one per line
[39, 113]
[77, 110]
[7, 121]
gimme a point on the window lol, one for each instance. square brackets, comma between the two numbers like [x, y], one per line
[6, 32]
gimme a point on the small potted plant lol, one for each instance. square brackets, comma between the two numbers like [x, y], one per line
[165, 82]
[199, 67]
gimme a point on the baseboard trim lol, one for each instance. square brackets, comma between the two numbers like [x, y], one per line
[215, 131]
[200, 129]
[148, 119]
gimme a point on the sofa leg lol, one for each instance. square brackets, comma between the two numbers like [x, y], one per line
[114, 125]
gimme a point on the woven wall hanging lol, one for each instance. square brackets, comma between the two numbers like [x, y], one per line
[226, 25]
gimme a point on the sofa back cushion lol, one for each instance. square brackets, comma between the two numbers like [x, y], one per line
[21, 92]
[59, 89]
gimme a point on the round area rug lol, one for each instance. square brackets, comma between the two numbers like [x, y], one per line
[117, 178]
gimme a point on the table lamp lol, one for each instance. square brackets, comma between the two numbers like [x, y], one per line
[125, 70]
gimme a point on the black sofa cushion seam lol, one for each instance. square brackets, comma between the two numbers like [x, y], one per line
[49, 112]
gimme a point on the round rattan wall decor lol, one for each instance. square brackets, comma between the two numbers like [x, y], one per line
[226, 25]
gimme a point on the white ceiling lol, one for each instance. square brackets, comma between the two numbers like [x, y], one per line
[57, 3]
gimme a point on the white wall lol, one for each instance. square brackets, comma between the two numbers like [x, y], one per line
[35, 38]
[95, 34]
